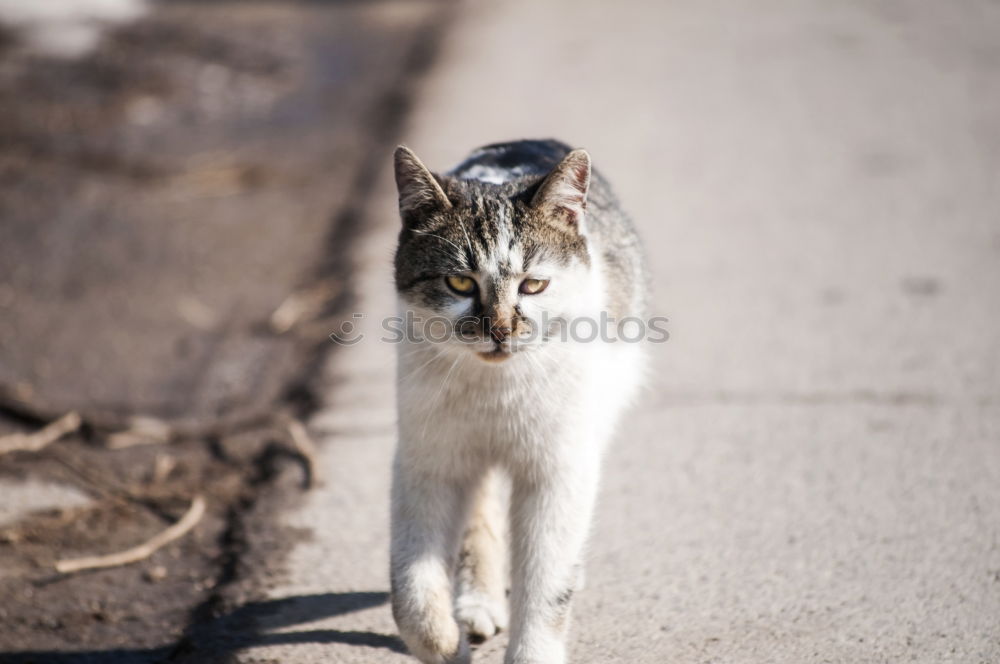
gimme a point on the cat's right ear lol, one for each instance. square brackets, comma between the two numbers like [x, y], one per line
[562, 196]
[420, 193]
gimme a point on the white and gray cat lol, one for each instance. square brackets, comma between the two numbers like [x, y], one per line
[502, 421]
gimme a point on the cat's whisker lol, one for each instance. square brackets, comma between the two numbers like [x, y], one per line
[542, 372]
[443, 239]
[468, 242]
[415, 350]
[448, 255]
[437, 396]
[416, 371]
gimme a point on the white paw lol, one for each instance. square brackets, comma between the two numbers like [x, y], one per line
[482, 616]
[431, 634]
[424, 648]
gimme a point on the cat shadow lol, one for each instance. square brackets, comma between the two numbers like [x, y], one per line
[248, 626]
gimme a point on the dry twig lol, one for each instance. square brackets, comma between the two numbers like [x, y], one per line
[33, 442]
[162, 468]
[144, 550]
[18, 402]
[145, 430]
[305, 446]
[302, 305]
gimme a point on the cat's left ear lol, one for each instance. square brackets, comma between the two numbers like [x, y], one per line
[562, 196]
[420, 193]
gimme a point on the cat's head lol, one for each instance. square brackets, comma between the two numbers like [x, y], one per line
[498, 267]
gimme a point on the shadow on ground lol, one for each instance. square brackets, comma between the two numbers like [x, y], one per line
[248, 626]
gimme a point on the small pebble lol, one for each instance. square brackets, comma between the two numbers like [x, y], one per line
[154, 574]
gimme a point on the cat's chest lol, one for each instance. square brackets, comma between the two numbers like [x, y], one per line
[508, 401]
[489, 405]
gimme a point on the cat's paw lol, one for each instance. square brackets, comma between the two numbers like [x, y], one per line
[433, 647]
[481, 615]
[430, 631]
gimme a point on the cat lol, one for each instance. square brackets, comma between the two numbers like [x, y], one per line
[502, 421]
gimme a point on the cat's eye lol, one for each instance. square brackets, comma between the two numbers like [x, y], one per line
[533, 286]
[461, 285]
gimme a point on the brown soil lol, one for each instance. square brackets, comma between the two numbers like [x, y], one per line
[160, 198]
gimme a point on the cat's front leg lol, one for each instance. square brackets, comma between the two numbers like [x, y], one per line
[550, 521]
[427, 518]
[481, 602]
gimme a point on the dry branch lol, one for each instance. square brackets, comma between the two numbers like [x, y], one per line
[162, 468]
[302, 305]
[145, 430]
[21, 405]
[33, 442]
[144, 550]
[305, 446]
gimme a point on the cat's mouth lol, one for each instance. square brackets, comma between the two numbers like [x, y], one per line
[499, 353]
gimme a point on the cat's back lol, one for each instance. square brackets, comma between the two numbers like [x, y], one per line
[521, 165]
[501, 163]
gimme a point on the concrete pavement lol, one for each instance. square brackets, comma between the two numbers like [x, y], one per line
[814, 472]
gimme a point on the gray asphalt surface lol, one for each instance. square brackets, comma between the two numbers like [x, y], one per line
[814, 472]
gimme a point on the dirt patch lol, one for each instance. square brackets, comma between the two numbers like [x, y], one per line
[163, 197]
[140, 606]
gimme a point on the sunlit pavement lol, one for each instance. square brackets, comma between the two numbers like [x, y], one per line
[814, 472]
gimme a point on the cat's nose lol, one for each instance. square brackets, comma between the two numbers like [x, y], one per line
[500, 333]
